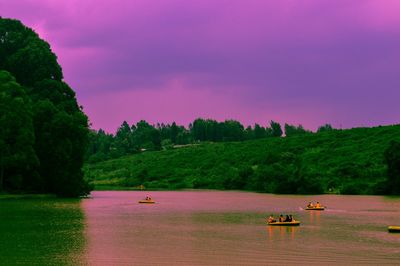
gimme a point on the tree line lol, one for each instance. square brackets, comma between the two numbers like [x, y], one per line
[142, 136]
[351, 161]
[43, 131]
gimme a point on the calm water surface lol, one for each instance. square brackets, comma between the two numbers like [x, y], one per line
[198, 228]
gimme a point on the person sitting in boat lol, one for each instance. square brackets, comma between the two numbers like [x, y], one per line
[310, 205]
[287, 219]
[281, 218]
[317, 205]
[291, 218]
[271, 219]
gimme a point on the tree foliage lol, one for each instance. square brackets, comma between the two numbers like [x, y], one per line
[392, 158]
[325, 128]
[276, 130]
[339, 161]
[18, 159]
[145, 137]
[291, 130]
[58, 127]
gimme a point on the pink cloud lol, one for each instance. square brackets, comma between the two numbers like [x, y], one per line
[176, 103]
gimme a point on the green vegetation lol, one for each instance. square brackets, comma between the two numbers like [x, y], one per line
[329, 161]
[43, 131]
[392, 157]
[143, 136]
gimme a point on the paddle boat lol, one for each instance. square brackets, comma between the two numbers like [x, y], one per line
[317, 207]
[394, 229]
[147, 200]
[320, 208]
[292, 223]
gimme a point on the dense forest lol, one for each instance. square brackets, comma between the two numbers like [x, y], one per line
[145, 137]
[351, 161]
[43, 131]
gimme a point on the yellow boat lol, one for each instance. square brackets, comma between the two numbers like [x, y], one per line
[394, 229]
[315, 208]
[146, 201]
[293, 223]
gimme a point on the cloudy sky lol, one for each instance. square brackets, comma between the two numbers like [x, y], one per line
[306, 62]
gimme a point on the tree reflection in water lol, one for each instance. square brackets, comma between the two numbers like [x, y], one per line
[41, 231]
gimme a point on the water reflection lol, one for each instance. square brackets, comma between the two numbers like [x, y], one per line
[314, 217]
[41, 232]
[282, 232]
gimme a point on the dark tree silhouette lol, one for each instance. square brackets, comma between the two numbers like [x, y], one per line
[60, 126]
[17, 155]
[392, 157]
[276, 129]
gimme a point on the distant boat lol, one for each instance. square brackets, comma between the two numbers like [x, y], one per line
[394, 229]
[316, 207]
[292, 223]
[147, 200]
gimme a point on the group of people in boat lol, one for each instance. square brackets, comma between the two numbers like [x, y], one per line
[148, 198]
[288, 218]
[312, 205]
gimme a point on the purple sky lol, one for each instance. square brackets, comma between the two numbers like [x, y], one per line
[305, 62]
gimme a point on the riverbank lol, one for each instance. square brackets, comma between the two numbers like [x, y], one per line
[98, 187]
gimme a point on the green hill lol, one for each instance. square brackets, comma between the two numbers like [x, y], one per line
[338, 161]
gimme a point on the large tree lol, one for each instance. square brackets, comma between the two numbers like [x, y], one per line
[147, 136]
[60, 126]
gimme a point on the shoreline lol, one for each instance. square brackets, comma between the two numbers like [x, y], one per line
[122, 188]
[7, 196]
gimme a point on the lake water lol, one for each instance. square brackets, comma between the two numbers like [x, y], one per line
[198, 228]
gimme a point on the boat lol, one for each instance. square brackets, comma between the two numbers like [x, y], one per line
[394, 229]
[292, 223]
[321, 208]
[147, 201]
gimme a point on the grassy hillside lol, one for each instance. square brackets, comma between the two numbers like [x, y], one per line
[340, 161]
